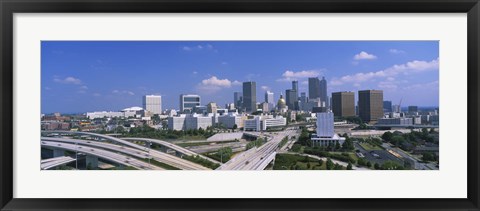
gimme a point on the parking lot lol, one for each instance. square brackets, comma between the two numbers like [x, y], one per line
[377, 156]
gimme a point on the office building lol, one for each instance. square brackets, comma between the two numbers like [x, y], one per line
[303, 101]
[250, 96]
[238, 100]
[261, 123]
[295, 85]
[387, 106]
[291, 98]
[370, 105]
[412, 109]
[395, 121]
[269, 97]
[343, 104]
[323, 92]
[188, 102]
[152, 103]
[325, 134]
[212, 108]
[313, 88]
[232, 119]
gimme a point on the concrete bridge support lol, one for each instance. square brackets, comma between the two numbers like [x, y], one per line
[58, 153]
[91, 162]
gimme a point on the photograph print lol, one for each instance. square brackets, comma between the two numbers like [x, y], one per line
[239, 105]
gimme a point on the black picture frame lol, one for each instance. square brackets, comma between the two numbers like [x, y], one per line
[9, 7]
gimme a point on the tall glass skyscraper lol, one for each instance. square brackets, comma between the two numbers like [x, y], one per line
[323, 92]
[313, 88]
[370, 105]
[250, 96]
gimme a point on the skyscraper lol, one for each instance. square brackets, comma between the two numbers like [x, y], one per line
[370, 105]
[343, 104]
[152, 103]
[313, 88]
[323, 92]
[387, 106]
[269, 97]
[291, 97]
[303, 101]
[295, 85]
[238, 99]
[250, 96]
[189, 101]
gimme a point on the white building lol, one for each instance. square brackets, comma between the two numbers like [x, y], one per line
[133, 112]
[190, 122]
[325, 132]
[153, 103]
[260, 123]
[232, 119]
[102, 114]
[189, 101]
[176, 122]
[269, 97]
[395, 121]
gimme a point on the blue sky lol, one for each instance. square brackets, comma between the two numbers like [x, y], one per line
[81, 76]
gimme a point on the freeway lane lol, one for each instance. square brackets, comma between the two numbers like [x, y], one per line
[172, 146]
[258, 158]
[156, 155]
[97, 135]
[114, 157]
[54, 162]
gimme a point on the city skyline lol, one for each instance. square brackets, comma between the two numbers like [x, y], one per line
[81, 76]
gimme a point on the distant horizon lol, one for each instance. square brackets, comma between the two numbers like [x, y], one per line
[86, 76]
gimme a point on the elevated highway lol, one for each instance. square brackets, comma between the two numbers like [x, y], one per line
[108, 155]
[142, 154]
[173, 147]
[258, 158]
[46, 164]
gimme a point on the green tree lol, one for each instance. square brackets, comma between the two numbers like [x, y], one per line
[329, 164]
[349, 166]
[387, 136]
[377, 166]
[427, 156]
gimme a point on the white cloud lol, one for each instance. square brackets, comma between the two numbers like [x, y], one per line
[68, 80]
[265, 88]
[84, 87]
[96, 94]
[430, 85]
[199, 48]
[408, 68]
[291, 75]
[391, 85]
[236, 83]
[195, 72]
[214, 81]
[214, 84]
[224, 63]
[396, 51]
[123, 92]
[364, 56]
